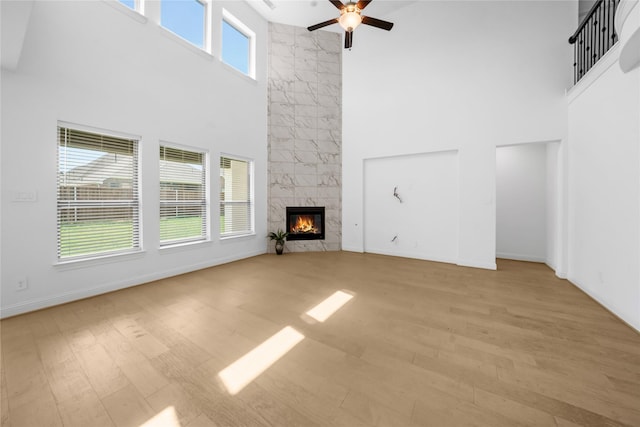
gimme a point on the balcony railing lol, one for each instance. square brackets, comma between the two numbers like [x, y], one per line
[594, 37]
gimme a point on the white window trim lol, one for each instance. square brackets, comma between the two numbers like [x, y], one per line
[208, 26]
[137, 5]
[249, 33]
[207, 166]
[156, 9]
[251, 168]
[102, 258]
[136, 13]
[92, 129]
[98, 260]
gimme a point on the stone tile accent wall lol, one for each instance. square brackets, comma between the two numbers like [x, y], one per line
[305, 129]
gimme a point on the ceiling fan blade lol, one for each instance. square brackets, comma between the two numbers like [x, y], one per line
[337, 3]
[363, 3]
[323, 24]
[348, 39]
[378, 23]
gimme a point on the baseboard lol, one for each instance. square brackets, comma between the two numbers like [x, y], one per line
[561, 274]
[521, 257]
[357, 249]
[41, 303]
[604, 305]
[411, 255]
[478, 264]
[550, 264]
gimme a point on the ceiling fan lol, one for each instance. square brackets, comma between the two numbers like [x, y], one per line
[350, 18]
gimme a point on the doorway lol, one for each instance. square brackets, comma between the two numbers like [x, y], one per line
[527, 202]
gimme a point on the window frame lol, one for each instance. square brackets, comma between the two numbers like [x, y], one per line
[251, 193]
[206, 192]
[137, 234]
[206, 25]
[137, 5]
[242, 28]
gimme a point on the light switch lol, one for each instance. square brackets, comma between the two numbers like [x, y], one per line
[24, 196]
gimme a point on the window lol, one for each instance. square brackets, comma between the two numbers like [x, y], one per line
[98, 200]
[238, 45]
[183, 195]
[131, 4]
[236, 197]
[185, 18]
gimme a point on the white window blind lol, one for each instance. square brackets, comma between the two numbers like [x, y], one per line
[183, 196]
[236, 199]
[98, 201]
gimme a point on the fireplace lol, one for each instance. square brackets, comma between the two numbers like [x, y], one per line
[305, 223]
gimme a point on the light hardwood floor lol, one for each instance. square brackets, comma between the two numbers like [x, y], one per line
[420, 344]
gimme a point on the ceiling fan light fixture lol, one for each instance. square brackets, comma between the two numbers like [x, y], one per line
[350, 17]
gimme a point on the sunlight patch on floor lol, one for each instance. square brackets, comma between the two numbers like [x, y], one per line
[166, 418]
[326, 308]
[236, 376]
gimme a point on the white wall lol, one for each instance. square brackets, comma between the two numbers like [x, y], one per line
[604, 187]
[554, 214]
[521, 202]
[422, 221]
[13, 31]
[99, 64]
[584, 6]
[465, 76]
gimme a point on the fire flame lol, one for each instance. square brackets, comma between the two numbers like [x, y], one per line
[304, 224]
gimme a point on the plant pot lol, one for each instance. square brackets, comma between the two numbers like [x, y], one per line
[279, 248]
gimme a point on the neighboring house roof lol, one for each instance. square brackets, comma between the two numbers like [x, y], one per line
[110, 166]
[180, 173]
[117, 167]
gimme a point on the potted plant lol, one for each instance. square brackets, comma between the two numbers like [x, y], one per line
[279, 237]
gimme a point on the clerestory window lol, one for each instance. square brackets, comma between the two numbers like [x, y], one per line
[238, 45]
[185, 18]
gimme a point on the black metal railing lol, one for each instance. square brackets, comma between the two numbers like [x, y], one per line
[594, 37]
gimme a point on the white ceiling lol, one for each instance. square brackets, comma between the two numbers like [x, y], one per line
[303, 13]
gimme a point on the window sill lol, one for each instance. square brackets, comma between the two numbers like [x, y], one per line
[238, 73]
[185, 43]
[97, 260]
[178, 247]
[134, 14]
[237, 236]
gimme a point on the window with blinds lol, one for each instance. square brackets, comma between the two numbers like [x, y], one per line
[183, 196]
[97, 198]
[236, 197]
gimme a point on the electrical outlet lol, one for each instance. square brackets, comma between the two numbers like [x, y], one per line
[22, 284]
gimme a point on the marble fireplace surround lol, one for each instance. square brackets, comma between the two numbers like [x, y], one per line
[305, 130]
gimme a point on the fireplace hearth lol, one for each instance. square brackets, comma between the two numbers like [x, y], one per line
[305, 223]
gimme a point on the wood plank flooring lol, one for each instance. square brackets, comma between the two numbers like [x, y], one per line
[420, 344]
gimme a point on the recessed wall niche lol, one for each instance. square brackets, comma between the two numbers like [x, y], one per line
[305, 129]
